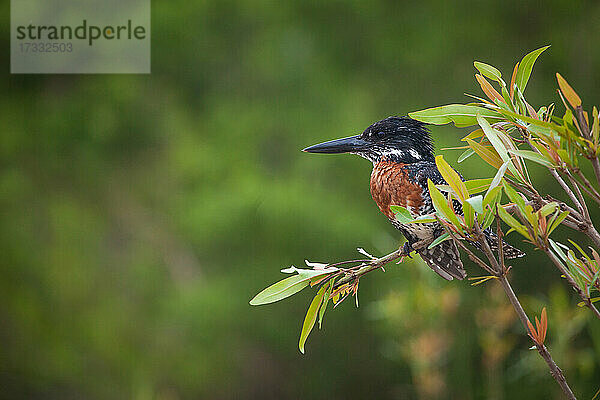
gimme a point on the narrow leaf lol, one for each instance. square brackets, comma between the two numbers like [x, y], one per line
[311, 317]
[402, 214]
[567, 91]
[452, 178]
[512, 222]
[460, 114]
[440, 203]
[323, 307]
[476, 202]
[488, 89]
[488, 71]
[466, 154]
[439, 239]
[488, 155]
[532, 156]
[557, 221]
[526, 66]
[280, 290]
[513, 81]
[499, 175]
[475, 186]
[476, 134]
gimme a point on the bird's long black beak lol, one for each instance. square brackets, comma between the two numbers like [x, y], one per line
[345, 145]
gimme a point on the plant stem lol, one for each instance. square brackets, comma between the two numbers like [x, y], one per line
[572, 282]
[370, 266]
[555, 371]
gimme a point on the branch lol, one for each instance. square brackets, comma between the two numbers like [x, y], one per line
[499, 269]
[587, 185]
[354, 273]
[555, 371]
[567, 190]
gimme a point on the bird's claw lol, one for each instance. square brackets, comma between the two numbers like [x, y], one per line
[407, 249]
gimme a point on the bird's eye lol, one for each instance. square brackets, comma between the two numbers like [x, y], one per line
[380, 133]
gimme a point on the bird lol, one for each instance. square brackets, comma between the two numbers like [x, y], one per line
[403, 157]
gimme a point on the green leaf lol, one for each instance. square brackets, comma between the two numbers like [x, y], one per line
[595, 125]
[493, 136]
[461, 114]
[440, 239]
[532, 156]
[512, 222]
[325, 301]
[475, 186]
[489, 217]
[492, 196]
[423, 220]
[440, 203]
[468, 214]
[488, 71]
[488, 155]
[548, 208]
[452, 178]
[499, 175]
[466, 154]
[476, 202]
[280, 290]
[557, 221]
[526, 66]
[311, 317]
[567, 91]
[402, 214]
[515, 197]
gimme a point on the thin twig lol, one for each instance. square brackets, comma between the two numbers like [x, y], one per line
[369, 266]
[567, 189]
[587, 184]
[586, 212]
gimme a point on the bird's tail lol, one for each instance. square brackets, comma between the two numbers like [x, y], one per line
[444, 259]
[492, 239]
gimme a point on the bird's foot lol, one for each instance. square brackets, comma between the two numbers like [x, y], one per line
[407, 249]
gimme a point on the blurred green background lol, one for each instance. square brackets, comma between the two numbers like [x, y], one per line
[140, 213]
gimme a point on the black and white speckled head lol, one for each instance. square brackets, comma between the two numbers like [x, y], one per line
[399, 139]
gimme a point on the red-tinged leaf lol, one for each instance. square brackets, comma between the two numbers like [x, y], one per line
[566, 89]
[319, 280]
[512, 81]
[488, 89]
[544, 323]
[542, 223]
[476, 134]
[487, 153]
[531, 111]
[532, 331]
[596, 258]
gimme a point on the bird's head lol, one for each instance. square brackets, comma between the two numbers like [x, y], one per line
[399, 139]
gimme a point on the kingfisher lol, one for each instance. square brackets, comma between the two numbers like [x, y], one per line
[402, 154]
